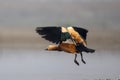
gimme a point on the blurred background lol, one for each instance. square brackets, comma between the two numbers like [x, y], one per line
[22, 49]
[18, 20]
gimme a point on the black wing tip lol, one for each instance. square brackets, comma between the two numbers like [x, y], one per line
[86, 30]
[81, 31]
[50, 33]
[38, 28]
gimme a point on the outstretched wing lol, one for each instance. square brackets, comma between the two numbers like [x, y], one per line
[81, 31]
[51, 33]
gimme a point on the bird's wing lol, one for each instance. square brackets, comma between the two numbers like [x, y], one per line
[51, 33]
[81, 31]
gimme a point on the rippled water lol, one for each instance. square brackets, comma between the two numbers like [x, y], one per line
[44, 65]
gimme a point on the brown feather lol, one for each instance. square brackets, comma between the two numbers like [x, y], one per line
[67, 47]
[76, 36]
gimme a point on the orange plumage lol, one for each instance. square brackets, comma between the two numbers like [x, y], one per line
[67, 47]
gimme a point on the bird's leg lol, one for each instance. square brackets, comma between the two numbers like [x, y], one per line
[82, 58]
[76, 60]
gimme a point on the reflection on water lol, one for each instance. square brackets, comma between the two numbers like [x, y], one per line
[44, 65]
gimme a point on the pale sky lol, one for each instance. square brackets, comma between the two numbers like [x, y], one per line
[32, 13]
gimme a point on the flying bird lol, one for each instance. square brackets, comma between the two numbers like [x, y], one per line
[59, 35]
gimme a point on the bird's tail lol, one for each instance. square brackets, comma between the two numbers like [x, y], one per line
[81, 48]
[89, 50]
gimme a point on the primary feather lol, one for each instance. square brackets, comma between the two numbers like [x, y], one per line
[51, 33]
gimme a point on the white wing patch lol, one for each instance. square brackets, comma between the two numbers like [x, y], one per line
[64, 29]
